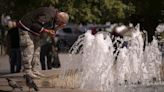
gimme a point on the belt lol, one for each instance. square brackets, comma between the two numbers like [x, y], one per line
[27, 29]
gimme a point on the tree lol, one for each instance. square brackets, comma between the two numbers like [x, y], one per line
[92, 11]
[148, 13]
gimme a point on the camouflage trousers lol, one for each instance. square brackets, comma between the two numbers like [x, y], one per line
[30, 50]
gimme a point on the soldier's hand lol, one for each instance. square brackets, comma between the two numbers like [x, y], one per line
[50, 32]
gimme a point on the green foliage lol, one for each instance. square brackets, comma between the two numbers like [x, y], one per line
[88, 11]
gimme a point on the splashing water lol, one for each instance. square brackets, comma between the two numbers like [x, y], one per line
[100, 70]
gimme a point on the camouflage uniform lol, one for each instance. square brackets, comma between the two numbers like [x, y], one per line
[30, 50]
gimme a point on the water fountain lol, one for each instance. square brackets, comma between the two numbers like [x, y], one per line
[92, 65]
[134, 66]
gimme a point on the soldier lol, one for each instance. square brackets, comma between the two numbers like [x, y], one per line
[32, 27]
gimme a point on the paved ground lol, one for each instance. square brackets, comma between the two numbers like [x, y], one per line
[64, 58]
[4, 65]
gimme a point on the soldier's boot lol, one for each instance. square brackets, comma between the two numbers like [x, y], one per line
[38, 73]
[32, 74]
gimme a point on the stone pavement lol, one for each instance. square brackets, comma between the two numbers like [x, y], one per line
[4, 65]
[65, 59]
[53, 84]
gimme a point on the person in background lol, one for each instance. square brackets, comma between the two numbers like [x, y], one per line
[55, 53]
[49, 54]
[94, 31]
[13, 50]
[46, 54]
[118, 33]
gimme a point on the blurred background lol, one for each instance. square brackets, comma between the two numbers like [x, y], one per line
[94, 15]
[86, 14]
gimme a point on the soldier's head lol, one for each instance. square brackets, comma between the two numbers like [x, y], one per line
[62, 19]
